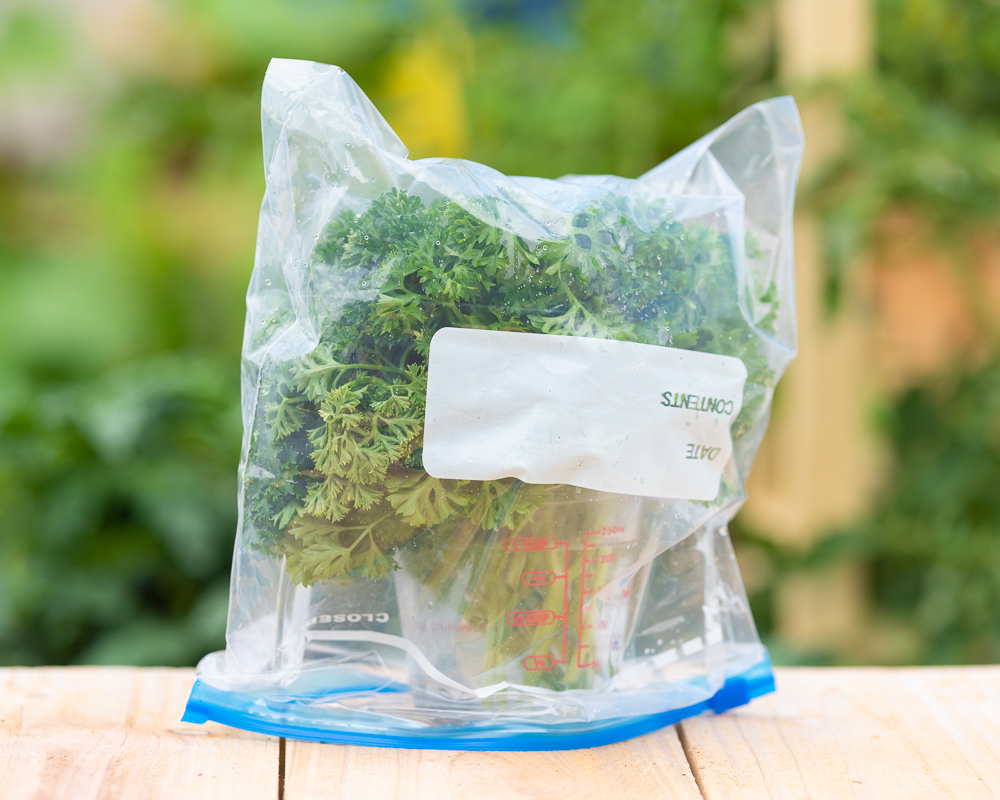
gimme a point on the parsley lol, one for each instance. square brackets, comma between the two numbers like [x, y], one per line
[336, 484]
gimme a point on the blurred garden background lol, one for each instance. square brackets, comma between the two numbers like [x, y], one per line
[131, 174]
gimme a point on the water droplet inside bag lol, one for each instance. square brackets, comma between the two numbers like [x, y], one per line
[438, 244]
[267, 282]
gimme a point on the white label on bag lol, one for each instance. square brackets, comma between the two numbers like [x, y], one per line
[613, 416]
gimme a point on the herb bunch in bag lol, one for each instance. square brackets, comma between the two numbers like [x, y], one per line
[495, 427]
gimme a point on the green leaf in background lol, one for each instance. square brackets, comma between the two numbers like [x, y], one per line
[116, 505]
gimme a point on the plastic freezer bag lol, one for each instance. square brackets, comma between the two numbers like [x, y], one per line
[495, 428]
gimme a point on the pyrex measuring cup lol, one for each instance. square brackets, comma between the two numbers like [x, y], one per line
[550, 607]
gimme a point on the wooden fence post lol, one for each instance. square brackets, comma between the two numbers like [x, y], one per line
[818, 463]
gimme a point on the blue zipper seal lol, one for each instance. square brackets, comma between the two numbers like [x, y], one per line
[245, 711]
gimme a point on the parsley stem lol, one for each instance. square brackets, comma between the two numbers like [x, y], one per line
[456, 315]
[406, 355]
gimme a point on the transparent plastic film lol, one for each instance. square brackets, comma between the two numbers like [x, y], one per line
[495, 428]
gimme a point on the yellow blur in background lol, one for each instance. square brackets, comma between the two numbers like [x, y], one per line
[424, 99]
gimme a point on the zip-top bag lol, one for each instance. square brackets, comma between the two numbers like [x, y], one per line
[494, 430]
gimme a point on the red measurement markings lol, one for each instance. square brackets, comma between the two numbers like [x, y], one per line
[609, 530]
[541, 616]
[537, 662]
[541, 578]
[538, 578]
[584, 590]
[525, 543]
[579, 656]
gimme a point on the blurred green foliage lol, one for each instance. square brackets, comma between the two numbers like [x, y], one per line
[946, 51]
[923, 134]
[623, 86]
[933, 542]
[127, 219]
[130, 173]
[117, 497]
[931, 545]
[923, 131]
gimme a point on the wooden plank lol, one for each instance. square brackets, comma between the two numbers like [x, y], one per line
[856, 733]
[860, 733]
[115, 733]
[651, 766]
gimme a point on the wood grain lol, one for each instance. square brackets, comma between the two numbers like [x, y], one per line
[856, 733]
[115, 734]
[651, 766]
[111, 734]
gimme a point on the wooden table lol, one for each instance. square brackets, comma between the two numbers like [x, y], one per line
[109, 733]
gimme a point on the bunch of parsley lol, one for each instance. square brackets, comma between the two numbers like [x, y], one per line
[337, 481]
